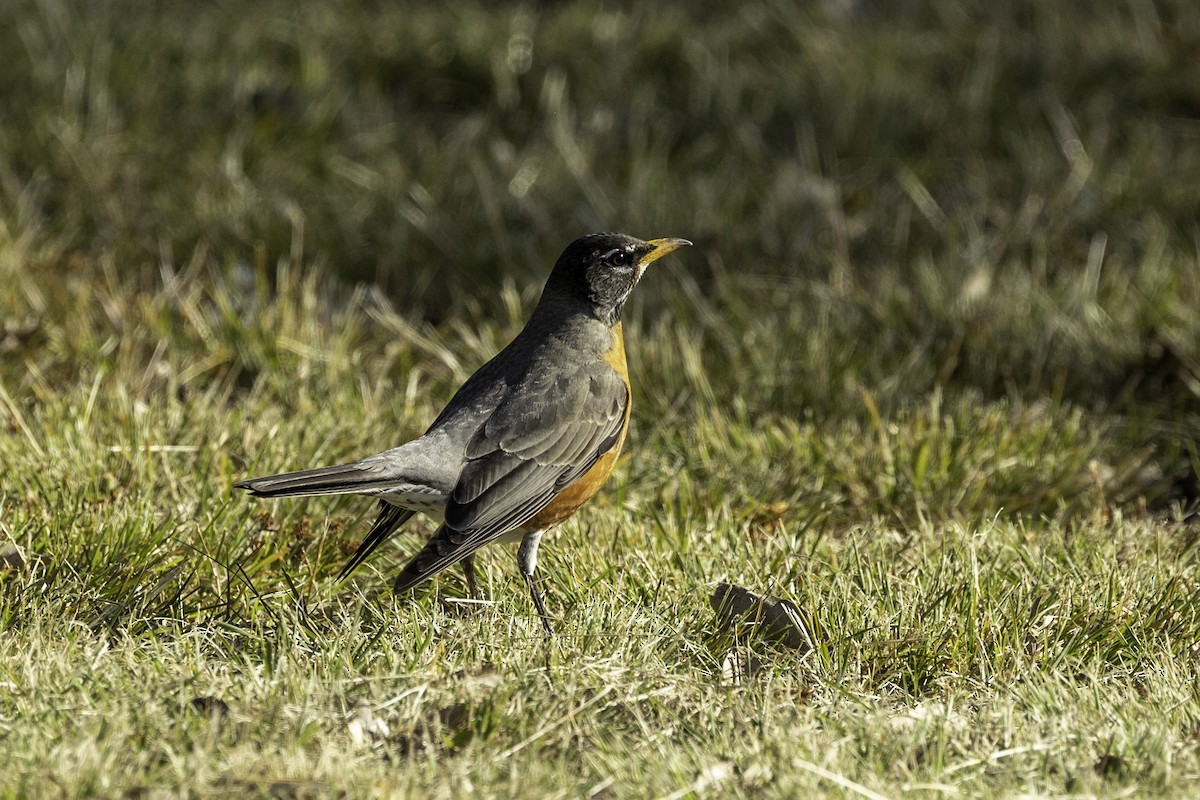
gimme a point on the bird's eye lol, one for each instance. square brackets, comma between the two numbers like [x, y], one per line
[621, 258]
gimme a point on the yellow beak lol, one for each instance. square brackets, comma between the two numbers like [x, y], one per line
[661, 248]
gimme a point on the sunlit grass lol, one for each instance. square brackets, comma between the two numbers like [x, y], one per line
[930, 374]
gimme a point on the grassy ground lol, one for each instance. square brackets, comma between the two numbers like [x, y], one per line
[932, 373]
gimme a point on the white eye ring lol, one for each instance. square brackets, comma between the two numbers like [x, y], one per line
[618, 257]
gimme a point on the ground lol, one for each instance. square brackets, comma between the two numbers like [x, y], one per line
[931, 374]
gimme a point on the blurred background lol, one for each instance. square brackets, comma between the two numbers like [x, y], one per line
[889, 199]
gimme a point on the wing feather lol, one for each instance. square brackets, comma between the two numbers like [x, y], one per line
[531, 448]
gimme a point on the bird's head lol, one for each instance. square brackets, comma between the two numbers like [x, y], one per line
[601, 269]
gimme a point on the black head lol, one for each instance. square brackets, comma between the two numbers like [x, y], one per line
[601, 269]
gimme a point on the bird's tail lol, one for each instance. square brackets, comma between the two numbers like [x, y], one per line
[352, 478]
[390, 518]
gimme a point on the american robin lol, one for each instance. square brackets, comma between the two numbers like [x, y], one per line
[525, 442]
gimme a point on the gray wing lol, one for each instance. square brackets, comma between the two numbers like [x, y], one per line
[533, 446]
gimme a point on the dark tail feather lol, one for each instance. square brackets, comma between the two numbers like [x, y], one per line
[390, 517]
[338, 479]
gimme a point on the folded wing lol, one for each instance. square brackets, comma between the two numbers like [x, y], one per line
[533, 446]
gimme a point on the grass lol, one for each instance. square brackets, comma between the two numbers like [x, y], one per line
[931, 374]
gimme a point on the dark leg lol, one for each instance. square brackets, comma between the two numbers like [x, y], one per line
[527, 559]
[469, 570]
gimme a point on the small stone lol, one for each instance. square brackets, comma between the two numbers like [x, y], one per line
[772, 617]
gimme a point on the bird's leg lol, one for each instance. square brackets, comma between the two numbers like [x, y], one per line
[527, 559]
[469, 571]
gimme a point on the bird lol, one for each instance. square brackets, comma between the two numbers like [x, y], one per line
[526, 440]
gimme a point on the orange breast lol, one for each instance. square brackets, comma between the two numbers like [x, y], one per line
[569, 500]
